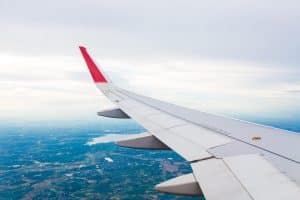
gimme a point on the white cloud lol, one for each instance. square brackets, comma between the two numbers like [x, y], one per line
[46, 87]
[228, 87]
[229, 57]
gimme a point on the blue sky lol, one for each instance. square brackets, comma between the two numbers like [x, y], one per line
[233, 57]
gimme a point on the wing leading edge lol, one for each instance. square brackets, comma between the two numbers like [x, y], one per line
[229, 157]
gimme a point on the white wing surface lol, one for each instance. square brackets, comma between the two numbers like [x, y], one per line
[230, 159]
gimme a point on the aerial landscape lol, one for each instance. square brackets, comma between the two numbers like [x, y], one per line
[42, 162]
[59, 163]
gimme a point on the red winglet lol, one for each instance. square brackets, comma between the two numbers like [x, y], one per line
[98, 77]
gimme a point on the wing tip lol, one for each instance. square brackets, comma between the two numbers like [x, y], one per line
[96, 74]
[82, 47]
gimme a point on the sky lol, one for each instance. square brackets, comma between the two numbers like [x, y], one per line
[237, 58]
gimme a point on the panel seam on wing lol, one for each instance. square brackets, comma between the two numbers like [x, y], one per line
[219, 131]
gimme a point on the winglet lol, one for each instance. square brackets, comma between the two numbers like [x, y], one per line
[97, 76]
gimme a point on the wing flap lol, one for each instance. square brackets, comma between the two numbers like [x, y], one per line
[217, 182]
[243, 177]
[261, 179]
[185, 148]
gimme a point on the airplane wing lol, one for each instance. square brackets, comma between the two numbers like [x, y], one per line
[230, 158]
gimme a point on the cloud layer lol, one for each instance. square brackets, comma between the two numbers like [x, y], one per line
[231, 57]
